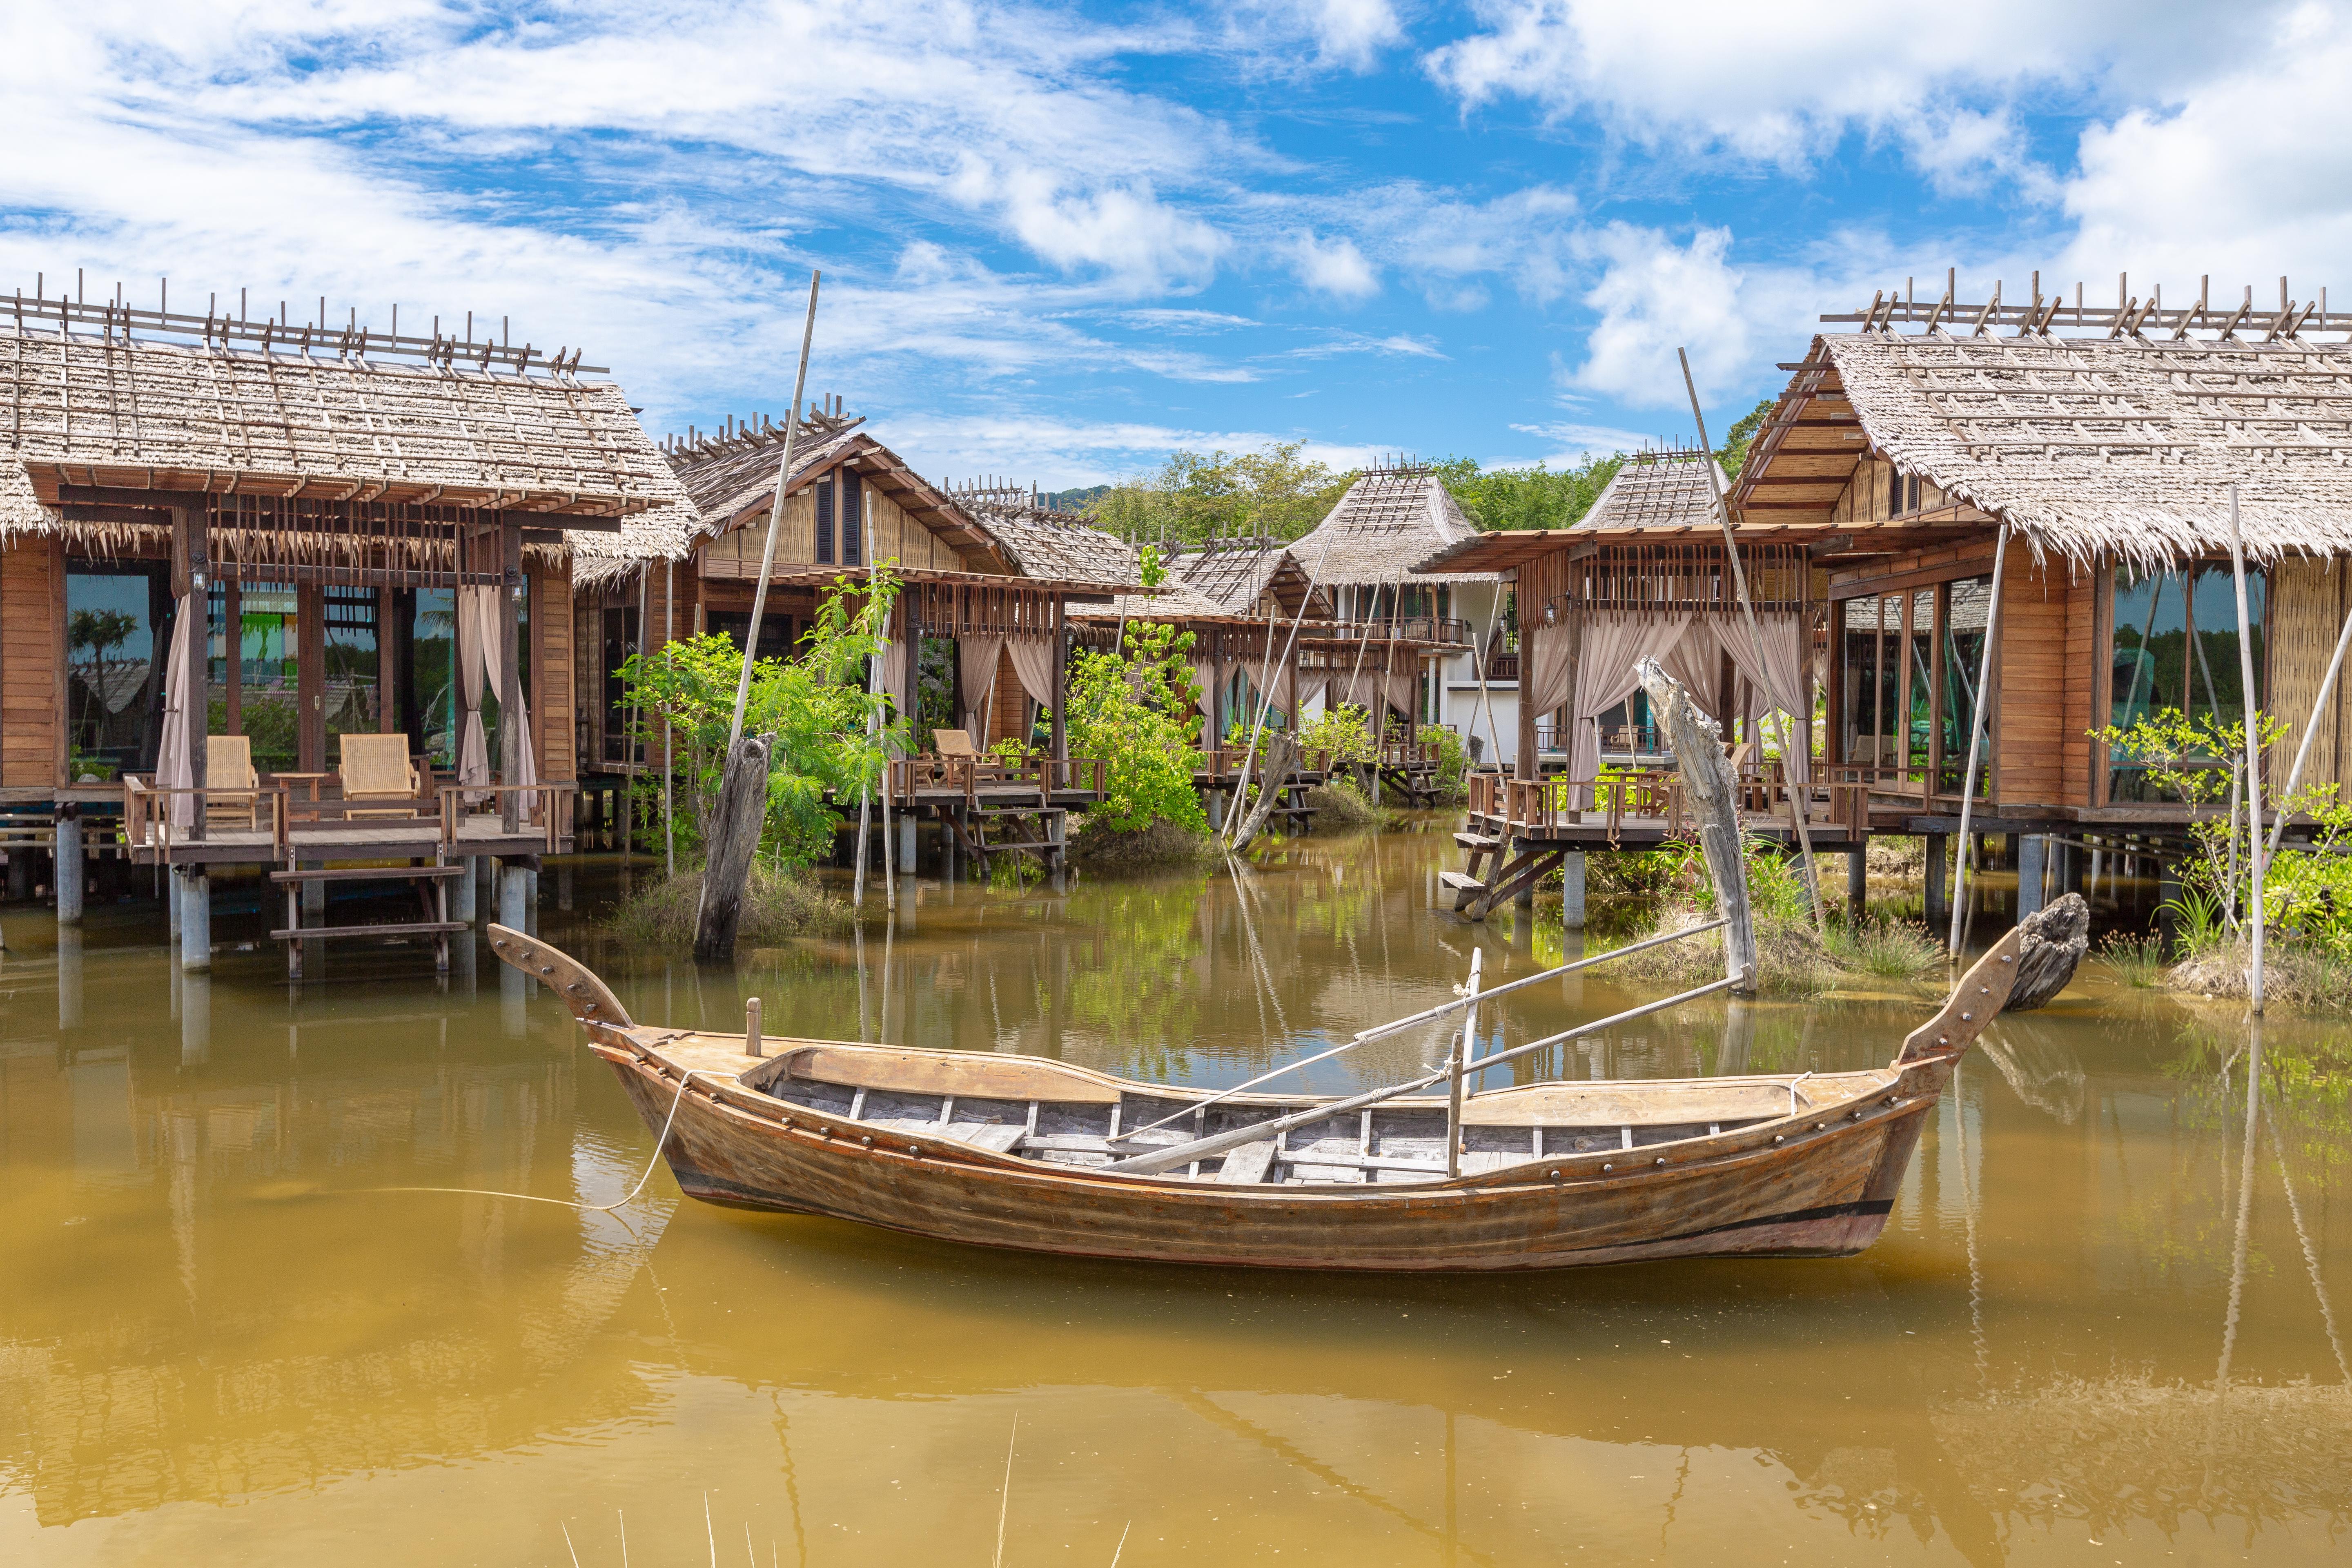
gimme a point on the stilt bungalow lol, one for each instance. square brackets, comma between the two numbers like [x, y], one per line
[1418, 647]
[278, 593]
[1644, 574]
[2058, 478]
[979, 637]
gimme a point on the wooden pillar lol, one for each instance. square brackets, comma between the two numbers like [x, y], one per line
[1526, 765]
[310, 677]
[189, 578]
[511, 733]
[1061, 681]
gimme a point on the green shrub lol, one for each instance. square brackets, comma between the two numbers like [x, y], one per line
[1132, 711]
[1344, 733]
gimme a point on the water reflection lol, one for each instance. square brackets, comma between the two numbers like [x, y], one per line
[2103, 1310]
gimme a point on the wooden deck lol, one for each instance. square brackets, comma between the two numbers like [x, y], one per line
[289, 830]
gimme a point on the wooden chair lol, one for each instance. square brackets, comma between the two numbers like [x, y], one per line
[954, 743]
[233, 788]
[378, 778]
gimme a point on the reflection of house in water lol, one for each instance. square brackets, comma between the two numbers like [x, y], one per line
[252, 1324]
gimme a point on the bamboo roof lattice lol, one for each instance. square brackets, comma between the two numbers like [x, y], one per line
[1656, 491]
[1238, 573]
[2106, 433]
[1389, 521]
[1047, 543]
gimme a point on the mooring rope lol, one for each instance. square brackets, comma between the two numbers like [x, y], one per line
[566, 1203]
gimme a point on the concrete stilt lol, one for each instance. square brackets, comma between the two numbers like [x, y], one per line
[2032, 865]
[514, 897]
[530, 899]
[1939, 889]
[1216, 803]
[1857, 881]
[314, 894]
[69, 977]
[196, 1018]
[172, 902]
[563, 887]
[1572, 890]
[906, 844]
[196, 920]
[464, 903]
[2070, 874]
[2012, 847]
[72, 876]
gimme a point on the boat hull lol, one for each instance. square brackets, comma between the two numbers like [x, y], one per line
[1820, 1189]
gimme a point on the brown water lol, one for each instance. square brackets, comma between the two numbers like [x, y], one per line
[2097, 1329]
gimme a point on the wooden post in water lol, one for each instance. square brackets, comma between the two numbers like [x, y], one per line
[1714, 795]
[723, 874]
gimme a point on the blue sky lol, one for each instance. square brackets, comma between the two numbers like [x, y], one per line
[1058, 241]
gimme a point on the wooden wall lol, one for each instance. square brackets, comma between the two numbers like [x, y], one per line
[895, 536]
[2308, 600]
[1868, 497]
[2043, 701]
[553, 686]
[32, 675]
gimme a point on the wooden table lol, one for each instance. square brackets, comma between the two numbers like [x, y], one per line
[312, 779]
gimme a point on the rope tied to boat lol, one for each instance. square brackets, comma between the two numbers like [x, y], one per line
[677, 1100]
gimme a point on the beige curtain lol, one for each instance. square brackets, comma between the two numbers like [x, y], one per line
[1546, 670]
[175, 766]
[1613, 644]
[976, 673]
[1033, 663]
[1403, 681]
[473, 750]
[493, 671]
[1780, 680]
[1697, 662]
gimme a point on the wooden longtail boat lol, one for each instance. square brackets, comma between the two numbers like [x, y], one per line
[1029, 1153]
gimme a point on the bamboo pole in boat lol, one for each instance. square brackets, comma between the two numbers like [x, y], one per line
[1454, 1063]
[1429, 1016]
[1176, 1154]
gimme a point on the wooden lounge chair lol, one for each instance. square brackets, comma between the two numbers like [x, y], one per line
[954, 744]
[233, 791]
[378, 778]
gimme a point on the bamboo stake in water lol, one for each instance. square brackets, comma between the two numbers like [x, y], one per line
[1977, 722]
[1453, 1069]
[1797, 804]
[2254, 741]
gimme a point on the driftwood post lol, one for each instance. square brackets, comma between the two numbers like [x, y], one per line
[1714, 795]
[735, 824]
[722, 877]
[1281, 768]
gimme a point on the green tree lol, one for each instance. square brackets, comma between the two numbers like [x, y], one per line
[1743, 430]
[1195, 497]
[816, 703]
[1528, 497]
[1133, 709]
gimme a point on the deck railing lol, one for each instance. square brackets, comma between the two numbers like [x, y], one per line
[970, 776]
[546, 809]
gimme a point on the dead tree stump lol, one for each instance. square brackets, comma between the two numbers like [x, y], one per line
[1713, 792]
[736, 822]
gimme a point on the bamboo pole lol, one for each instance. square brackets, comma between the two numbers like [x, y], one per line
[1797, 811]
[2254, 741]
[1464, 1043]
[775, 521]
[669, 823]
[1977, 722]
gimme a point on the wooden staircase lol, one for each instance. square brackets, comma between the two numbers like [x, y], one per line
[432, 887]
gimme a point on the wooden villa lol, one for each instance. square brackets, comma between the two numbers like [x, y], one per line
[1644, 574]
[2091, 452]
[984, 621]
[279, 594]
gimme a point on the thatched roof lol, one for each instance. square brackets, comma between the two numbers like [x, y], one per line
[732, 479]
[2123, 446]
[1657, 492]
[1237, 575]
[1389, 521]
[1058, 544]
[104, 411]
[1174, 600]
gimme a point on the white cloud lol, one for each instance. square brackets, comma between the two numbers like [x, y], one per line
[1060, 453]
[1347, 33]
[1575, 443]
[1334, 267]
[1654, 295]
[1783, 83]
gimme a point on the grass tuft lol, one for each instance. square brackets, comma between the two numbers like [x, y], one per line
[777, 905]
[2137, 960]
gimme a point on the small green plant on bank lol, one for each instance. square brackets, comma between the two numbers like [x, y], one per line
[2307, 886]
[1891, 949]
[816, 703]
[1134, 711]
[2137, 960]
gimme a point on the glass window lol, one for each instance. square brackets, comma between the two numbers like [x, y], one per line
[269, 650]
[1919, 737]
[117, 627]
[824, 522]
[431, 706]
[1965, 606]
[1871, 651]
[353, 698]
[2175, 649]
